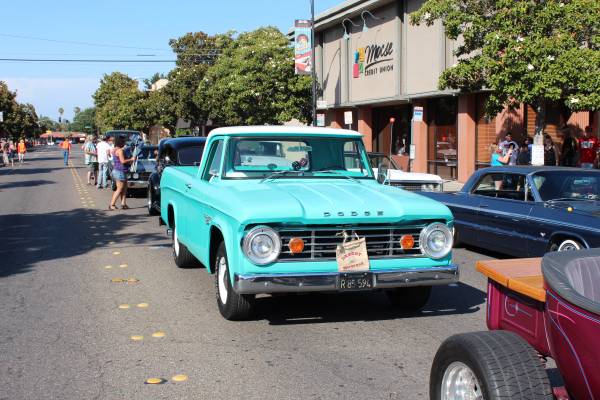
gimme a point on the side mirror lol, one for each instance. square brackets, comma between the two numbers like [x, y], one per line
[382, 173]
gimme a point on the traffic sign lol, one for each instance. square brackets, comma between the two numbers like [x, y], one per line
[418, 114]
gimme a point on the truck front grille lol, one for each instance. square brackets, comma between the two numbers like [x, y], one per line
[320, 242]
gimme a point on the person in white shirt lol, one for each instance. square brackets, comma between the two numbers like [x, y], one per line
[103, 149]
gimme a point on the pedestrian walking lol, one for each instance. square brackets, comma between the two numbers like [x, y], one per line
[5, 153]
[66, 146]
[11, 153]
[21, 150]
[588, 149]
[551, 155]
[569, 149]
[121, 161]
[103, 150]
[90, 158]
[524, 157]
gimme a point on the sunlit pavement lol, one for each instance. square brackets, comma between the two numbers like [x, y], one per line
[92, 306]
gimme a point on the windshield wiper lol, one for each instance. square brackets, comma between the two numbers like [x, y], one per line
[278, 174]
[329, 171]
[559, 199]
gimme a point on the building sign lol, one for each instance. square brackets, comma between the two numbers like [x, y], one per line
[303, 47]
[373, 59]
[320, 119]
[348, 117]
[418, 114]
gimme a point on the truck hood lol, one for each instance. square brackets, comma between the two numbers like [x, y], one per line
[327, 201]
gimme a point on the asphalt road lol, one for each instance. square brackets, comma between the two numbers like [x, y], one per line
[64, 336]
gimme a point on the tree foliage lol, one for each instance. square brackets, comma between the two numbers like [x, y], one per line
[20, 120]
[119, 103]
[195, 52]
[524, 51]
[253, 82]
[84, 121]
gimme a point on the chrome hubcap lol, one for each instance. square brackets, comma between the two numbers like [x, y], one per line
[222, 280]
[460, 383]
[175, 242]
[568, 245]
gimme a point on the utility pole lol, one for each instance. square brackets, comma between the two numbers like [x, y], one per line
[313, 63]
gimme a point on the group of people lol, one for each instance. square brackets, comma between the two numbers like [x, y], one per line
[573, 152]
[9, 150]
[98, 153]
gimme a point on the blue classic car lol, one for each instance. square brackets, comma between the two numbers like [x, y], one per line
[280, 209]
[527, 211]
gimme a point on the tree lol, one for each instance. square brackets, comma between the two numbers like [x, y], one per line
[84, 121]
[76, 110]
[254, 83]
[160, 109]
[47, 124]
[524, 51]
[119, 103]
[19, 119]
[195, 52]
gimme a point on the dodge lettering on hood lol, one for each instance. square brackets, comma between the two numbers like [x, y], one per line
[287, 210]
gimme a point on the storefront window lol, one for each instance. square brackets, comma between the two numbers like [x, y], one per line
[443, 137]
[391, 130]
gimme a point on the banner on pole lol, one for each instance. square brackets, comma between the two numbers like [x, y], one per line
[303, 46]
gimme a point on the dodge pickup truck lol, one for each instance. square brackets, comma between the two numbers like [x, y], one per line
[287, 210]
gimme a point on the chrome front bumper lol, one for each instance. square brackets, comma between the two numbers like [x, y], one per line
[319, 282]
[137, 184]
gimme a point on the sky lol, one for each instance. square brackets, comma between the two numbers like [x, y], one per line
[115, 29]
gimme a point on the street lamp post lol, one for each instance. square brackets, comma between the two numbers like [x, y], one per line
[313, 63]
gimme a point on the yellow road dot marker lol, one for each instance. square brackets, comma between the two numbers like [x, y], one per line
[108, 266]
[179, 378]
[137, 338]
[159, 334]
[132, 280]
[116, 253]
[123, 266]
[117, 280]
[155, 381]
[143, 305]
[124, 306]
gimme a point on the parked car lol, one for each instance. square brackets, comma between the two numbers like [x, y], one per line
[279, 209]
[124, 132]
[177, 152]
[527, 211]
[413, 181]
[536, 308]
[139, 171]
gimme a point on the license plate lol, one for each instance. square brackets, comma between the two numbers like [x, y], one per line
[362, 281]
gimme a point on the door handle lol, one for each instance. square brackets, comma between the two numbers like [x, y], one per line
[188, 185]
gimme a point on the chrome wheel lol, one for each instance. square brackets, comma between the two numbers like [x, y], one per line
[149, 199]
[175, 242]
[569, 245]
[460, 383]
[222, 280]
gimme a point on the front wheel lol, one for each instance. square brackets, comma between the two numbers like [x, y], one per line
[232, 306]
[409, 298]
[487, 365]
[568, 245]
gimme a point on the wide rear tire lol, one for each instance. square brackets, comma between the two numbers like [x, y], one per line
[232, 306]
[488, 365]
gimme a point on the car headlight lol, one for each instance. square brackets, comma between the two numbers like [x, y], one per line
[436, 240]
[136, 176]
[262, 245]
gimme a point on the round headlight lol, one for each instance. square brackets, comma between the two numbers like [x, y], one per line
[436, 240]
[262, 245]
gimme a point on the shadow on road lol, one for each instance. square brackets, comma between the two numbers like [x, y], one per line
[27, 239]
[27, 171]
[459, 298]
[38, 182]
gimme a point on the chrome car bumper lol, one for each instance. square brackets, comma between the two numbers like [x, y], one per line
[318, 282]
[137, 184]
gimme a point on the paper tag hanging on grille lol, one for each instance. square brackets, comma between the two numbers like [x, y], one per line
[352, 255]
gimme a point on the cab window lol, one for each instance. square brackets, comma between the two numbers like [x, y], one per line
[503, 186]
[214, 161]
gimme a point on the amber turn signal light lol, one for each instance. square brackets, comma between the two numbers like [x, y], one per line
[407, 242]
[296, 245]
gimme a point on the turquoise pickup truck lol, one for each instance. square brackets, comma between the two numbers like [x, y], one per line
[279, 210]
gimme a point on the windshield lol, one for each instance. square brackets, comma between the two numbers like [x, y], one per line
[190, 155]
[148, 153]
[305, 157]
[567, 185]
